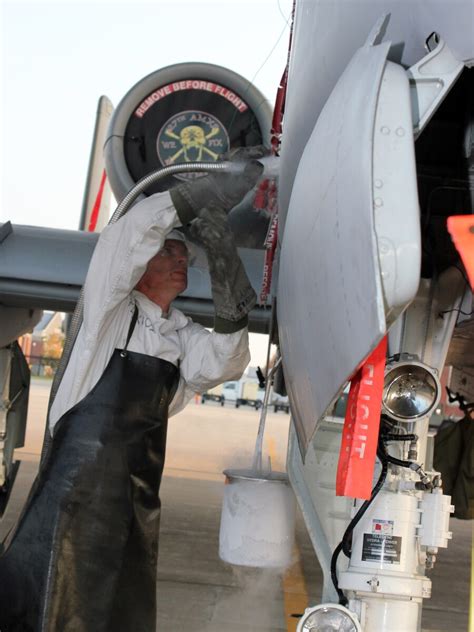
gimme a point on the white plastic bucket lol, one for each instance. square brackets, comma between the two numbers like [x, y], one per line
[258, 519]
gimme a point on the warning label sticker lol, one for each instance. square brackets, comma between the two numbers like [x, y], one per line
[382, 527]
[381, 548]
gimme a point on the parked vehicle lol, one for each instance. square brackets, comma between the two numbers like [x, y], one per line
[230, 391]
[243, 393]
[279, 402]
[214, 395]
[249, 394]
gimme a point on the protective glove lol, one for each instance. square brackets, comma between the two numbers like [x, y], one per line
[219, 188]
[232, 293]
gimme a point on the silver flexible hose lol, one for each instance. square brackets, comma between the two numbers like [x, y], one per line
[257, 457]
[121, 209]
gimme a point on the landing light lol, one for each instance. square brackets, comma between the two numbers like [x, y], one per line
[328, 617]
[411, 390]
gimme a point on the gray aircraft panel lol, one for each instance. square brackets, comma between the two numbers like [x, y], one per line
[320, 352]
[327, 34]
[330, 301]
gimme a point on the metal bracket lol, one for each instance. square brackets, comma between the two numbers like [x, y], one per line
[430, 81]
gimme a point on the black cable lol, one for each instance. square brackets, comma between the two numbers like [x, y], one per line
[399, 462]
[343, 601]
[344, 544]
[466, 280]
[386, 430]
[456, 309]
[390, 436]
[347, 537]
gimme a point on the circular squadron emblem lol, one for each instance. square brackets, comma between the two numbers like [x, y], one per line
[191, 136]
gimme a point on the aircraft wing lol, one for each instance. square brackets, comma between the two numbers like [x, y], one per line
[45, 268]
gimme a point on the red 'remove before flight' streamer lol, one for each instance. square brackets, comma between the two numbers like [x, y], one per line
[355, 469]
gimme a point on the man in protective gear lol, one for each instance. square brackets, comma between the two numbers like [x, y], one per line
[83, 555]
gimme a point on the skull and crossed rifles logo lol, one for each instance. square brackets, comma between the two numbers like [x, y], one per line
[192, 138]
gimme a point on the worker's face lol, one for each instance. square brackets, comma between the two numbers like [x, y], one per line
[168, 269]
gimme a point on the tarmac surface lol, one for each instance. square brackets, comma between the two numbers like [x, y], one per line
[196, 590]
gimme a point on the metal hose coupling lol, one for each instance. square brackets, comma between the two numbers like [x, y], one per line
[270, 170]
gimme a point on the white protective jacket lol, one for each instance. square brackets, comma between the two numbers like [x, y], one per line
[119, 260]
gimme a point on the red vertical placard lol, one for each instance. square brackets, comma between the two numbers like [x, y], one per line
[361, 427]
[98, 201]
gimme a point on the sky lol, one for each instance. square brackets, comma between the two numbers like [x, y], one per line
[57, 58]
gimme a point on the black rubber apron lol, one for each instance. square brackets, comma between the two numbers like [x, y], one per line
[83, 556]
